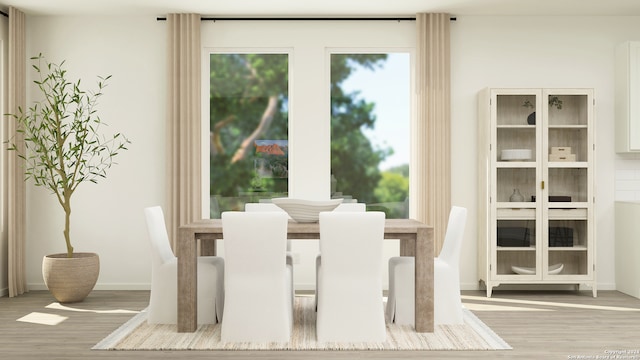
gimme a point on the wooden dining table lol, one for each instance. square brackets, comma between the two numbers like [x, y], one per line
[416, 239]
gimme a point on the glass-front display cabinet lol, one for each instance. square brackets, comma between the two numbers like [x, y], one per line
[536, 193]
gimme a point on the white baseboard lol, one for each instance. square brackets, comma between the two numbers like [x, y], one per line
[99, 286]
[4, 292]
[143, 286]
[312, 287]
[305, 287]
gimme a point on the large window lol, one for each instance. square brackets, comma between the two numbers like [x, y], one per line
[248, 114]
[317, 145]
[370, 120]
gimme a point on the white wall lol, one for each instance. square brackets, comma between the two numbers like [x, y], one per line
[107, 217]
[486, 51]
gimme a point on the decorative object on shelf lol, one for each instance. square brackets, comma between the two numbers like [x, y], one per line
[514, 237]
[516, 196]
[553, 101]
[66, 148]
[302, 210]
[561, 153]
[553, 269]
[531, 119]
[515, 154]
[560, 236]
[554, 198]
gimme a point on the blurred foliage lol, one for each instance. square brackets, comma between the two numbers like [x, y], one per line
[392, 187]
[241, 86]
[354, 160]
[392, 194]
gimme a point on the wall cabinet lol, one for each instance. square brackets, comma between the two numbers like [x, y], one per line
[536, 193]
[627, 94]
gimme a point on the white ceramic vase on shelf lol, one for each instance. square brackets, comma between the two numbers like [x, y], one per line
[516, 196]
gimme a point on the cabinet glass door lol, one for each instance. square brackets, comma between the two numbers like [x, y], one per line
[567, 140]
[517, 140]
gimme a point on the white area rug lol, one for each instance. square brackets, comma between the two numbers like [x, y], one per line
[136, 334]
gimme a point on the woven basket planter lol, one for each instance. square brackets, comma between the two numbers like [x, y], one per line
[70, 279]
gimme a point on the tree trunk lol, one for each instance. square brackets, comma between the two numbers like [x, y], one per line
[265, 122]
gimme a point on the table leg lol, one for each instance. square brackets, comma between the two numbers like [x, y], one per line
[407, 247]
[208, 248]
[424, 280]
[187, 281]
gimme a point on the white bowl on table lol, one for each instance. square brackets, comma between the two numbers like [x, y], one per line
[302, 210]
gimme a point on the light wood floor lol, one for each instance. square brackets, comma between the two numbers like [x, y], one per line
[538, 325]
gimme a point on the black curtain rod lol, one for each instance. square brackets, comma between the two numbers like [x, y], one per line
[292, 18]
[304, 19]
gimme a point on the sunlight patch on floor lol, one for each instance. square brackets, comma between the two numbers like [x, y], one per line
[494, 307]
[58, 306]
[548, 303]
[43, 318]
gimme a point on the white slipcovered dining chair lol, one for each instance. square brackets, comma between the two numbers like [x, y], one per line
[258, 293]
[163, 303]
[355, 206]
[447, 302]
[350, 303]
[265, 206]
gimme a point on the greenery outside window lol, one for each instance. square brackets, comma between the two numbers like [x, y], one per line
[248, 115]
[370, 120]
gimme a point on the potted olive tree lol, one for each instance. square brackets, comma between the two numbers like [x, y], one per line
[64, 148]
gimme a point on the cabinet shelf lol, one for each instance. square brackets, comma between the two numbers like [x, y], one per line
[524, 126]
[536, 232]
[516, 248]
[516, 205]
[560, 208]
[516, 164]
[568, 248]
[569, 164]
[567, 126]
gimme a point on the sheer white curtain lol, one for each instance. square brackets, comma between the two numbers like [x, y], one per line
[15, 185]
[433, 72]
[183, 132]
